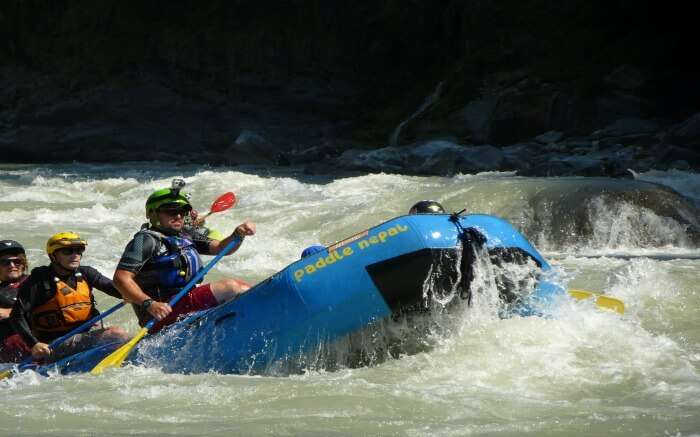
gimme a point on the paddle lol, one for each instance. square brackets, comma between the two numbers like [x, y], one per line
[222, 203]
[601, 300]
[116, 358]
[27, 362]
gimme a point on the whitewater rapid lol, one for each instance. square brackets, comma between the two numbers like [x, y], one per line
[578, 371]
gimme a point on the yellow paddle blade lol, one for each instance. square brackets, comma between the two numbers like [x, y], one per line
[116, 358]
[601, 300]
[611, 303]
[6, 374]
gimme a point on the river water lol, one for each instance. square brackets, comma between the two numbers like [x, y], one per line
[579, 371]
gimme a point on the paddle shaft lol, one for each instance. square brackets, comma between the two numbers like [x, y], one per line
[27, 362]
[202, 218]
[190, 285]
[116, 358]
[85, 326]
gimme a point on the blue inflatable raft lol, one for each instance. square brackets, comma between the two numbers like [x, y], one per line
[405, 264]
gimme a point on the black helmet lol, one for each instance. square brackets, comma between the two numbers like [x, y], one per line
[426, 207]
[10, 246]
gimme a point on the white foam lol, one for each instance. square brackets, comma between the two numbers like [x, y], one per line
[468, 372]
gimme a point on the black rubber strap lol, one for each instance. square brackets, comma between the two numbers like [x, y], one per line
[146, 303]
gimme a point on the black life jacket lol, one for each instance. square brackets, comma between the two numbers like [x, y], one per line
[8, 292]
[8, 296]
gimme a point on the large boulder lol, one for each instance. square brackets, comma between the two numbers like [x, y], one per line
[611, 162]
[671, 156]
[627, 126]
[251, 147]
[550, 137]
[609, 213]
[521, 114]
[520, 157]
[476, 117]
[444, 158]
[440, 157]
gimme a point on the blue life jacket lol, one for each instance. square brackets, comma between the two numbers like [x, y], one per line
[167, 273]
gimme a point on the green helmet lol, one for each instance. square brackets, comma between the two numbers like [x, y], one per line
[166, 197]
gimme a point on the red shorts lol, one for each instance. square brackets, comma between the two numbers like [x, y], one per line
[13, 349]
[200, 298]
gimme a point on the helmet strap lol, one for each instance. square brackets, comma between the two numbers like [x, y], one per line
[153, 218]
[165, 231]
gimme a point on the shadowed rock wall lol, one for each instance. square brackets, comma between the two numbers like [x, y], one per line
[302, 81]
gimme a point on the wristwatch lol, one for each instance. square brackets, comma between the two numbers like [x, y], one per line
[146, 303]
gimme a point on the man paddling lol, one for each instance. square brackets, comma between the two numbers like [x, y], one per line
[57, 298]
[13, 265]
[162, 258]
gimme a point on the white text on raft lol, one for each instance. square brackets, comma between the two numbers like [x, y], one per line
[340, 254]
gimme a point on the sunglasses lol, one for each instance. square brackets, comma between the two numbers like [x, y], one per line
[7, 261]
[71, 250]
[174, 211]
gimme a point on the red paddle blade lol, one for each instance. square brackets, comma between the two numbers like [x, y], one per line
[223, 202]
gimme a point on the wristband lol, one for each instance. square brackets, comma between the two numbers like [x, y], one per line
[146, 303]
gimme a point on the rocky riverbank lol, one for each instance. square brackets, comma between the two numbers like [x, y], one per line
[576, 89]
[618, 150]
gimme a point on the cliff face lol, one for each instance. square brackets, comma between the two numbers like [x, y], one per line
[235, 81]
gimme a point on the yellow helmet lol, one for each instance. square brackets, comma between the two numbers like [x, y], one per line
[64, 239]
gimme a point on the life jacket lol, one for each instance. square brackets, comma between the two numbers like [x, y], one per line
[167, 273]
[8, 292]
[68, 308]
[8, 296]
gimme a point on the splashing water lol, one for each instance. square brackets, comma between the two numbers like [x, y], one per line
[460, 370]
[624, 225]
